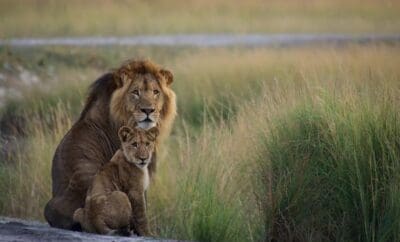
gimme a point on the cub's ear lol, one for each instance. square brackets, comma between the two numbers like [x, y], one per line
[167, 75]
[125, 133]
[152, 133]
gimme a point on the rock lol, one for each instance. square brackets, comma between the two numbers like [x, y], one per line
[12, 229]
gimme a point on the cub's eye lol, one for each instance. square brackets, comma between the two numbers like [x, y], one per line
[147, 144]
[135, 92]
[135, 144]
[156, 92]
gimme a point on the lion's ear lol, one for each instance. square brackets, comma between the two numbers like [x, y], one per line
[167, 75]
[125, 133]
[121, 78]
[152, 133]
[124, 78]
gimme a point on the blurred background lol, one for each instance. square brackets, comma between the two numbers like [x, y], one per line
[44, 18]
[273, 142]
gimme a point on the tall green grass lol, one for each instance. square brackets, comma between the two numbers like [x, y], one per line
[196, 196]
[333, 172]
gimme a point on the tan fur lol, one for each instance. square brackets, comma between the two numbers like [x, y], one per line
[93, 139]
[105, 214]
[116, 199]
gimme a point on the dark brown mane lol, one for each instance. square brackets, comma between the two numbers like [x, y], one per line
[101, 88]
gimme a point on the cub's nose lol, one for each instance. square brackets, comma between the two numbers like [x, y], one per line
[143, 159]
[147, 110]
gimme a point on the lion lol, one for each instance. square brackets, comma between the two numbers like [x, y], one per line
[137, 93]
[115, 201]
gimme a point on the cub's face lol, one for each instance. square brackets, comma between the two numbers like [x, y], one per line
[144, 100]
[138, 144]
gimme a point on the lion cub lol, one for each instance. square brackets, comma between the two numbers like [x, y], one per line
[115, 201]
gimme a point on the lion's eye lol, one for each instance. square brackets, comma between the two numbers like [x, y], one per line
[156, 92]
[135, 92]
[135, 144]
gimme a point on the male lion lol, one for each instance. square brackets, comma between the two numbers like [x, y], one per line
[137, 93]
[115, 201]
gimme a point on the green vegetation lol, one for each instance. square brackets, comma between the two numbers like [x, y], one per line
[295, 144]
[20, 18]
[335, 173]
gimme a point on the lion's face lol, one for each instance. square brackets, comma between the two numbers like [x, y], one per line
[138, 144]
[143, 96]
[144, 100]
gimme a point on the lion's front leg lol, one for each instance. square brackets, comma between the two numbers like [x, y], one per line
[139, 217]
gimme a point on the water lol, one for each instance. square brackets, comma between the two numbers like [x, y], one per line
[206, 40]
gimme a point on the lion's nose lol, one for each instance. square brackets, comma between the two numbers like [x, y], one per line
[143, 159]
[147, 110]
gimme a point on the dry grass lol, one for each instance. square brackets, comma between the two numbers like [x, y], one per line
[26, 183]
[77, 18]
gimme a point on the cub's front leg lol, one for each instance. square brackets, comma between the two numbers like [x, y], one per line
[139, 217]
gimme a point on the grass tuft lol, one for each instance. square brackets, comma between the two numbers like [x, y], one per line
[334, 172]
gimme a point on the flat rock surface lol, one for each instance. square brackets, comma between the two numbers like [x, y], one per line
[12, 229]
